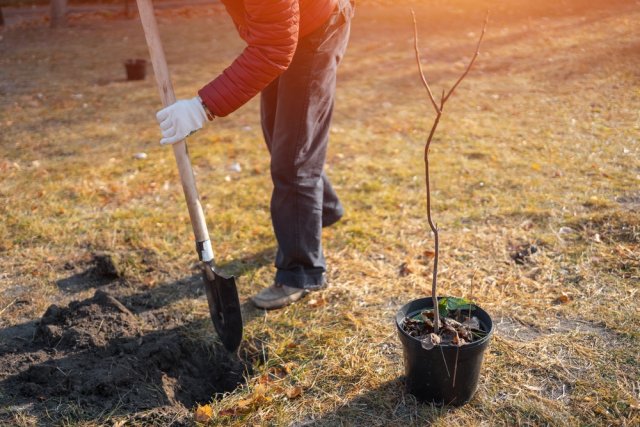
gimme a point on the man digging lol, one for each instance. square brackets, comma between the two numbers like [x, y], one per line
[292, 54]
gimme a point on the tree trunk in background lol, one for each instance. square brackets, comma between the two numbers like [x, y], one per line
[58, 13]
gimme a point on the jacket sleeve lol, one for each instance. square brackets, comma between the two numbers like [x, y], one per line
[271, 32]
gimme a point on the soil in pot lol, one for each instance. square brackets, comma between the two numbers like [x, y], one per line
[443, 369]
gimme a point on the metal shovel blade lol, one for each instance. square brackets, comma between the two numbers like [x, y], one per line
[224, 307]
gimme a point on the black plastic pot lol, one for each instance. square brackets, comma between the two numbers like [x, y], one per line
[446, 374]
[136, 69]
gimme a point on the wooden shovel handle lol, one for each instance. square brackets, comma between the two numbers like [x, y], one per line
[161, 71]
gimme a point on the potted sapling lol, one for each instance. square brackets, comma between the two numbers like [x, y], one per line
[443, 338]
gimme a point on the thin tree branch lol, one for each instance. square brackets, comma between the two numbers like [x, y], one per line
[422, 76]
[439, 109]
[473, 59]
[434, 228]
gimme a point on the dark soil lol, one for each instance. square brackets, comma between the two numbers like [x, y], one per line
[96, 357]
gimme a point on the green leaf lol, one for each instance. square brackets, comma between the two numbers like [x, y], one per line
[442, 307]
[447, 304]
[417, 317]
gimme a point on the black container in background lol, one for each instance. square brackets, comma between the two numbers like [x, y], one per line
[136, 69]
[430, 373]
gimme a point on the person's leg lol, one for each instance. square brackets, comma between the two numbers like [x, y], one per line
[298, 150]
[268, 109]
[332, 209]
[303, 199]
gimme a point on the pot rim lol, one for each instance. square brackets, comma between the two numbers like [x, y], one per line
[135, 61]
[400, 317]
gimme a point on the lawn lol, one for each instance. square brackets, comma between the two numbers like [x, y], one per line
[539, 147]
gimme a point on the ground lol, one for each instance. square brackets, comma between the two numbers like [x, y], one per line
[103, 319]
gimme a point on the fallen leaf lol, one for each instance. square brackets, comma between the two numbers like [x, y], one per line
[293, 392]
[273, 374]
[566, 230]
[562, 299]
[472, 323]
[245, 403]
[290, 366]
[316, 302]
[228, 412]
[429, 254]
[533, 273]
[527, 224]
[264, 378]
[622, 251]
[203, 413]
[260, 390]
[405, 270]
[431, 341]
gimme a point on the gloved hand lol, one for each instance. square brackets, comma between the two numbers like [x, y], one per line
[181, 119]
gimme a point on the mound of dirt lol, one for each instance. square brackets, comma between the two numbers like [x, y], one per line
[95, 357]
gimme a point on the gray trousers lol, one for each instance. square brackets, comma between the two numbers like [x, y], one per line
[296, 113]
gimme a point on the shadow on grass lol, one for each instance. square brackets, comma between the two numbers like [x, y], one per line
[249, 263]
[84, 280]
[14, 338]
[103, 272]
[385, 405]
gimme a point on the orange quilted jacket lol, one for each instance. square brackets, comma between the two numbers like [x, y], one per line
[271, 29]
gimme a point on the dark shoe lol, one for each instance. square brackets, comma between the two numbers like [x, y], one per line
[277, 296]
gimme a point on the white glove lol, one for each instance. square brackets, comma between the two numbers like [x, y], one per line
[181, 119]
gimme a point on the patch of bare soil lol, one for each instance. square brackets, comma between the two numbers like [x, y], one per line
[94, 358]
[630, 201]
[514, 329]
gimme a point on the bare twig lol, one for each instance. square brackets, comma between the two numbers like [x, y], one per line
[455, 365]
[439, 109]
[473, 59]
[9, 305]
[473, 278]
[422, 76]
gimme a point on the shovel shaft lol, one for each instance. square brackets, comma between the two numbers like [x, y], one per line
[163, 80]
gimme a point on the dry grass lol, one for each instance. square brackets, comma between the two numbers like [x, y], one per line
[539, 145]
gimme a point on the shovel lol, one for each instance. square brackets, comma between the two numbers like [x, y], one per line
[222, 294]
